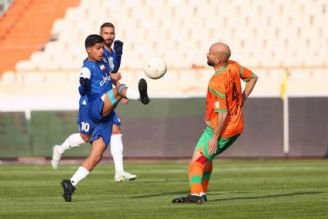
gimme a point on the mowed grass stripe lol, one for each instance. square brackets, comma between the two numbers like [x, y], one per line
[238, 189]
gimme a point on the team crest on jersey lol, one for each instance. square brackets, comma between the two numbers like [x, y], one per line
[217, 105]
[102, 67]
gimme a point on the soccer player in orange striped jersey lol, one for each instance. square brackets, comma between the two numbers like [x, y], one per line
[223, 118]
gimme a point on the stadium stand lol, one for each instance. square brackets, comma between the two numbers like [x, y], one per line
[25, 28]
[42, 48]
[272, 39]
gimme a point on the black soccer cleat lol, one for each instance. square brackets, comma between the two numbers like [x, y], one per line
[142, 86]
[68, 190]
[188, 199]
[204, 198]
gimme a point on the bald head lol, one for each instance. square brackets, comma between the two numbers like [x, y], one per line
[218, 55]
[222, 51]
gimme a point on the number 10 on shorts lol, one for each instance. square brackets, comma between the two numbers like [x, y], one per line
[85, 126]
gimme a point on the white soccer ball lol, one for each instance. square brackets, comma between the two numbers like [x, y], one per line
[155, 67]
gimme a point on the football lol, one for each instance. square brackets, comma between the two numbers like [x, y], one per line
[155, 67]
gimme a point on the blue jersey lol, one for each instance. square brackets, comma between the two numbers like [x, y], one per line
[98, 74]
[112, 59]
[113, 63]
[95, 130]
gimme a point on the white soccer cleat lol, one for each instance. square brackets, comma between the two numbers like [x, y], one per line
[124, 177]
[56, 156]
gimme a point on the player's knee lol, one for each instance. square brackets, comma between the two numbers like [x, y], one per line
[96, 158]
[116, 130]
[85, 138]
[202, 159]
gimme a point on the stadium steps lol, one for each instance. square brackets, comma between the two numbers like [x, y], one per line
[253, 31]
[26, 27]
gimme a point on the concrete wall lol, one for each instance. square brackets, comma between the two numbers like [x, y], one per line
[171, 128]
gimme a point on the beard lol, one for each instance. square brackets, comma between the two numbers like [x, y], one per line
[108, 43]
[210, 63]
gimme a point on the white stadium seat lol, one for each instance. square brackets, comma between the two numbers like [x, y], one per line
[280, 34]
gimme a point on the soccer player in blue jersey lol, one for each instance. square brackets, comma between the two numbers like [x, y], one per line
[107, 31]
[102, 100]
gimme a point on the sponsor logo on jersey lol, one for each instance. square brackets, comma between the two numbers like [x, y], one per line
[104, 80]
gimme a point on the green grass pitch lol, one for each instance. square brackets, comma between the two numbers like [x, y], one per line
[238, 189]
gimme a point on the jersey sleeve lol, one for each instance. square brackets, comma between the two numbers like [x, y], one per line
[85, 73]
[245, 73]
[117, 63]
[85, 83]
[219, 92]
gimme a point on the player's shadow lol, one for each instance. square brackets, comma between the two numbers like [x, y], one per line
[181, 193]
[265, 196]
[162, 181]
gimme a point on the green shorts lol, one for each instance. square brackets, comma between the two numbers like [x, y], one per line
[223, 143]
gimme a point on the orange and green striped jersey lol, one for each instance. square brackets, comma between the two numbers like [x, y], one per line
[225, 95]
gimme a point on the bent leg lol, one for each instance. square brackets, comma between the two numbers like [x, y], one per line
[72, 141]
[85, 137]
[111, 100]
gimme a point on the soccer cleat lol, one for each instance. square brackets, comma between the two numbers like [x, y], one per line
[204, 198]
[68, 189]
[56, 156]
[189, 199]
[142, 86]
[124, 177]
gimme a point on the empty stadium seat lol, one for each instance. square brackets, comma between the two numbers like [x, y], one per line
[276, 35]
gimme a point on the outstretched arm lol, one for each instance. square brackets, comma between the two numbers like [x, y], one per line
[118, 49]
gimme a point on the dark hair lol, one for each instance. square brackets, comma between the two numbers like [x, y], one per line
[107, 24]
[92, 39]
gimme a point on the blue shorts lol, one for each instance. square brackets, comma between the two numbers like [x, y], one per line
[86, 125]
[95, 112]
[116, 120]
[103, 130]
[96, 130]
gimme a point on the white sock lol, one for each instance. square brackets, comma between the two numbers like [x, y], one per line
[71, 141]
[80, 174]
[116, 148]
[132, 94]
[196, 194]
